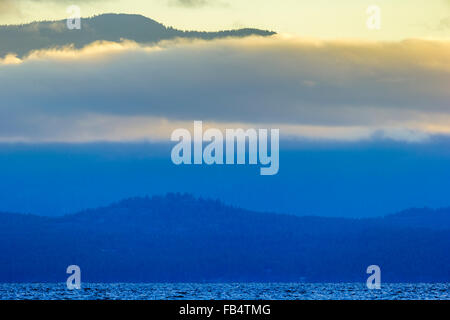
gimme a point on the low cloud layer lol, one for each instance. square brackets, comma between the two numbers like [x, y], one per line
[311, 88]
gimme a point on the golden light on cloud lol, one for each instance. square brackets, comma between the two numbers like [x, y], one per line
[94, 51]
[10, 59]
[308, 88]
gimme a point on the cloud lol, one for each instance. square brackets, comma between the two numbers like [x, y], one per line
[8, 7]
[189, 3]
[309, 88]
[193, 3]
[444, 24]
[14, 7]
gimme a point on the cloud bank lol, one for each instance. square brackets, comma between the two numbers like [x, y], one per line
[309, 88]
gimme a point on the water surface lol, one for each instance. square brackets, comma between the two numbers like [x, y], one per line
[224, 291]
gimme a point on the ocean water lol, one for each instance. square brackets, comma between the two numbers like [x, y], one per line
[224, 291]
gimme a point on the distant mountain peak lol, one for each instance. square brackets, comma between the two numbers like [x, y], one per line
[22, 39]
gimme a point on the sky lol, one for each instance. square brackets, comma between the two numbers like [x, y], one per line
[321, 18]
[357, 179]
[364, 115]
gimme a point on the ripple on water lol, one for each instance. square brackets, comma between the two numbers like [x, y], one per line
[224, 291]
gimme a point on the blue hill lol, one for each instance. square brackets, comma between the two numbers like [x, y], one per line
[179, 238]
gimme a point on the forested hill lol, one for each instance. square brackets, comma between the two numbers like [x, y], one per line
[22, 39]
[179, 238]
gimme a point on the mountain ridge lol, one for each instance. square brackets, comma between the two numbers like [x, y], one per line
[179, 238]
[23, 39]
[413, 212]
